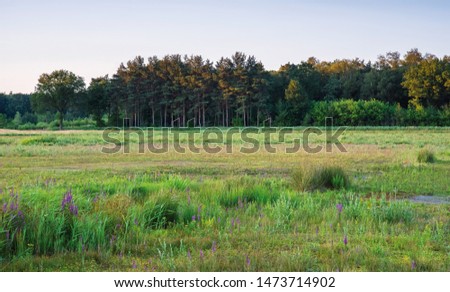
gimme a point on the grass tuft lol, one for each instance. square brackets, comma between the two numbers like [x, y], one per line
[426, 156]
[319, 178]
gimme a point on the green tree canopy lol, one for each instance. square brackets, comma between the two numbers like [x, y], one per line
[57, 92]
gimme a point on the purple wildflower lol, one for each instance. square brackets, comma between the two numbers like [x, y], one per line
[73, 209]
[345, 240]
[12, 206]
[247, 260]
[134, 266]
[339, 208]
[218, 220]
[5, 207]
[413, 265]
[67, 200]
[201, 254]
[189, 254]
[193, 217]
[214, 247]
[136, 222]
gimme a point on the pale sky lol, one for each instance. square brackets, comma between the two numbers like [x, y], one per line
[91, 38]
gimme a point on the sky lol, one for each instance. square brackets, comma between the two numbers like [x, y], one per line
[91, 38]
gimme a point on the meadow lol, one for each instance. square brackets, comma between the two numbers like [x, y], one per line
[66, 206]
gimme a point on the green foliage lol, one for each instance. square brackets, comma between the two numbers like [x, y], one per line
[394, 212]
[97, 99]
[190, 91]
[247, 206]
[237, 197]
[375, 113]
[426, 156]
[43, 140]
[161, 212]
[310, 178]
[17, 120]
[3, 121]
[57, 92]
[428, 82]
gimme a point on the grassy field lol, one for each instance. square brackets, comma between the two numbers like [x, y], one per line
[66, 206]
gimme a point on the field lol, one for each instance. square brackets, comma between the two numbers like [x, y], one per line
[66, 206]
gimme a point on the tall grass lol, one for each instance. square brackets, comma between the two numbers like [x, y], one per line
[157, 212]
[310, 178]
[426, 156]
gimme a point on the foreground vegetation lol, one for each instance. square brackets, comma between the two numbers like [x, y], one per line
[68, 207]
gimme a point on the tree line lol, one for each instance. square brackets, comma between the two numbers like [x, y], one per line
[187, 91]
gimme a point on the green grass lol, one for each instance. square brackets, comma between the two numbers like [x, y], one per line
[426, 156]
[152, 209]
[313, 177]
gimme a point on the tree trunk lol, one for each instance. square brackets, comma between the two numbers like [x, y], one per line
[257, 118]
[165, 115]
[223, 117]
[204, 119]
[61, 118]
[184, 114]
[153, 116]
[226, 112]
[245, 116]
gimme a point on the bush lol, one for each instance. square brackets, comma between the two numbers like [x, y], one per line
[426, 156]
[42, 125]
[320, 177]
[3, 121]
[349, 112]
[27, 126]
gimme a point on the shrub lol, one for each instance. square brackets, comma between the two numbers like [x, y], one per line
[376, 113]
[426, 156]
[27, 126]
[3, 121]
[320, 177]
